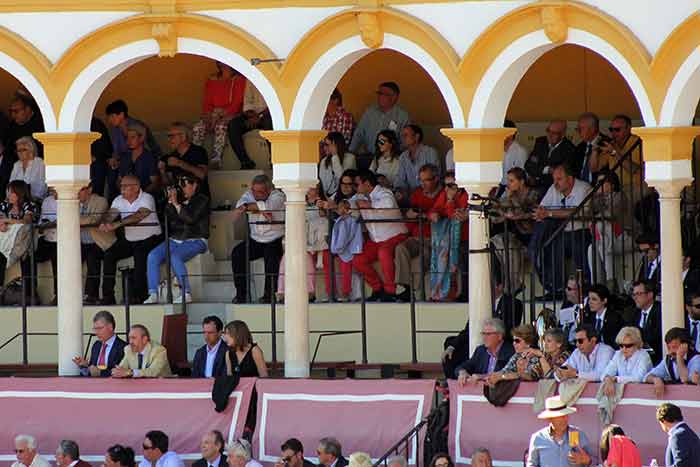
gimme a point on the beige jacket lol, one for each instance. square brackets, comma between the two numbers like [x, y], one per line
[155, 361]
[97, 208]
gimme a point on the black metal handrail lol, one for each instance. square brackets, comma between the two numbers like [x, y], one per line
[404, 443]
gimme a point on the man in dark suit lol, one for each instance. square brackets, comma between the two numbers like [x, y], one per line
[589, 158]
[210, 359]
[683, 449]
[692, 320]
[106, 352]
[212, 449]
[649, 268]
[490, 356]
[330, 453]
[68, 455]
[647, 317]
[690, 274]
[606, 321]
[549, 151]
[293, 455]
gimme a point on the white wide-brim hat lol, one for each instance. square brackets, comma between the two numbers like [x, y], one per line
[554, 407]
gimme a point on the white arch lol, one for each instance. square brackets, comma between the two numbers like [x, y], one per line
[28, 80]
[496, 88]
[683, 95]
[312, 97]
[87, 88]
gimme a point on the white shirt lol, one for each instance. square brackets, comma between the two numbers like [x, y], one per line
[330, 176]
[384, 206]
[34, 175]
[125, 208]
[515, 156]
[253, 463]
[593, 366]
[252, 99]
[48, 214]
[38, 461]
[387, 166]
[265, 233]
[554, 199]
[216, 462]
[169, 459]
[211, 356]
[631, 370]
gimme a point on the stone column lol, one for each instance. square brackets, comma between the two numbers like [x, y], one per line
[668, 168]
[478, 154]
[294, 159]
[67, 157]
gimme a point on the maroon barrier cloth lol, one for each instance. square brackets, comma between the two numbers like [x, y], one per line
[364, 415]
[506, 431]
[100, 412]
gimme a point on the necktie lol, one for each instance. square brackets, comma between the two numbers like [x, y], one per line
[644, 320]
[598, 324]
[650, 268]
[694, 332]
[140, 361]
[585, 171]
[103, 353]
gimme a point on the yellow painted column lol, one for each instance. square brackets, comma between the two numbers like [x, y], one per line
[67, 157]
[668, 168]
[294, 165]
[478, 155]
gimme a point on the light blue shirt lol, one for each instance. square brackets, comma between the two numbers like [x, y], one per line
[545, 451]
[591, 367]
[407, 177]
[169, 459]
[662, 371]
[211, 356]
[346, 238]
[631, 370]
[372, 122]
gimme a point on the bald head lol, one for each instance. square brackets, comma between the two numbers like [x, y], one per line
[130, 187]
[556, 130]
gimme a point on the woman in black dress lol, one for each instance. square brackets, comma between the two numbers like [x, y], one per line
[244, 356]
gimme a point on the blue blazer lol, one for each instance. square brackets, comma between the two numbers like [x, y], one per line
[199, 362]
[683, 448]
[478, 364]
[116, 354]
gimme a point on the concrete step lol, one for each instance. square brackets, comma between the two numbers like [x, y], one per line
[227, 186]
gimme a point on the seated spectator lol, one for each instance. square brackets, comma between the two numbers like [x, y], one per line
[549, 151]
[346, 191]
[185, 160]
[386, 114]
[143, 358]
[101, 152]
[545, 449]
[692, 324]
[386, 156]
[630, 364]
[120, 456]
[93, 241]
[449, 240]
[223, 100]
[606, 321]
[590, 358]
[337, 118]
[16, 211]
[140, 162]
[255, 116]
[488, 357]
[681, 364]
[560, 201]
[156, 453]
[575, 301]
[292, 455]
[188, 220]
[46, 245]
[212, 449]
[554, 355]
[30, 168]
[383, 237]
[244, 357]
[690, 274]
[589, 152]
[421, 203]
[136, 210]
[514, 155]
[210, 359]
[442, 459]
[647, 317]
[650, 265]
[412, 160]
[515, 208]
[330, 453]
[68, 455]
[107, 351]
[334, 163]
[360, 459]
[240, 454]
[346, 243]
[263, 204]
[625, 146]
[618, 450]
[524, 364]
[27, 454]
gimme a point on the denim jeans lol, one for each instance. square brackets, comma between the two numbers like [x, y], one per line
[180, 253]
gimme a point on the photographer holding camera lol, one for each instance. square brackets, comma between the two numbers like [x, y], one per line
[187, 214]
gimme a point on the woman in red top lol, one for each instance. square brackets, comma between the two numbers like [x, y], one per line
[223, 100]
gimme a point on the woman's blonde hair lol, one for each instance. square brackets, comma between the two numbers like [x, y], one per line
[359, 459]
[633, 333]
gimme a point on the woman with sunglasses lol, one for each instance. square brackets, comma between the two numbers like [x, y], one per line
[387, 151]
[629, 364]
[188, 222]
[523, 364]
[336, 161]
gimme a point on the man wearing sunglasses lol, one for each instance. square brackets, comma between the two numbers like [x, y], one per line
[590, 358]
[27, 454]
[385, 114]
[293, 455]
[692, 324]
[626, 147]
[649, 268]
[155, 451]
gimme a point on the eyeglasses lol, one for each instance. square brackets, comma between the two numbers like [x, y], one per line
[517, 340]
[571, 289]
[695, 305]
[385, 94]
[146, 448]
[580, 340]
[627, 346]
[382, 141]
[639, 294]
[286, 460]
[613, 129]
[20, 451]
[488, 333]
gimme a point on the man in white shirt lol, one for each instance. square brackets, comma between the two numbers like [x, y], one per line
[265, 208]
[560, 201]
[68, 455]
[155, 451]
[590, 358]
[255, 116]
[210, 359]
[26, 451]
[136, 211]
[383, 236]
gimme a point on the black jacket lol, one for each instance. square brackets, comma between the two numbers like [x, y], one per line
[580, 157]
[199, 362]
[116, 354]
[539, 158]
[192, 221]
[479, 361]
[652, 332]
[510, 311]
[203, 462]
[612, 324]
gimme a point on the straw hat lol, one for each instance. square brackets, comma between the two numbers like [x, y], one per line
[554, 408]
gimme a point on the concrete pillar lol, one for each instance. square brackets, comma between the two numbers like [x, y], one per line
[67, 157]
[294, 159]
[478, 154]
